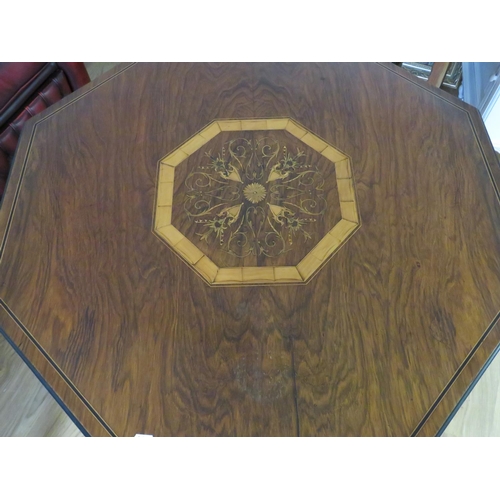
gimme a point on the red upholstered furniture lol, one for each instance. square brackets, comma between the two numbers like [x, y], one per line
[25, 90]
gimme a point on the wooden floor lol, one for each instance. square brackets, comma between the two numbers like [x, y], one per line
[479, 416]
[28, 409]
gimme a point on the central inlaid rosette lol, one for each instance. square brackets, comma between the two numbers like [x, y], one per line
[254, 192]
[254, 197]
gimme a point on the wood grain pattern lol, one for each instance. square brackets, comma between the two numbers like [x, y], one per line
[27, 408]
[157, 351]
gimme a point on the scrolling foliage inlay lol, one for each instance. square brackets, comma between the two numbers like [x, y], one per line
[252, 190]
[255, 197]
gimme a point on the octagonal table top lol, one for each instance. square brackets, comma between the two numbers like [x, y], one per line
[254, 249]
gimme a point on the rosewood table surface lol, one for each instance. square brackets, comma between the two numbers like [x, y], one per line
[254, 250]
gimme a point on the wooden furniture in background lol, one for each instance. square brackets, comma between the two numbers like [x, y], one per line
[384, 339]
[438, 73]
[25, 90]
[447, 76]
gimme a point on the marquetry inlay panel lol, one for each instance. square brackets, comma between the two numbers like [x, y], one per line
[257, 201]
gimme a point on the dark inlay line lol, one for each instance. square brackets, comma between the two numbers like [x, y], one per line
[45, 384]
[468, 391]
[423, 87]
[18, 187]
[471, 123]
[56, 367]
[472, 352]
[469, 356]
[28, 150]
[456, 375]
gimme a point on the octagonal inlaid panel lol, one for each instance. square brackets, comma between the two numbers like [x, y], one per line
[257, 201]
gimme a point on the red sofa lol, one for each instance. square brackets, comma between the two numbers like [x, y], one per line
[25, 90]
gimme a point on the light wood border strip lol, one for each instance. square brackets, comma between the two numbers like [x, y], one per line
[343, 169]
[229, 125]
[333, 240]
[193, 144]
[258, 274]
[276, 123]
[349, 211]
[260, 124]
[314, 142]
[166, 173]
[171, 234]
[207, 269]
[333, 154]
[308, 266]
[287, 274]
[211, 131]
[325, 247]
[296, 129]
[163, 216]
[188, 250]
[165, 194]
[229, 275]
[174, 158]
[343, 229]
[346, 189]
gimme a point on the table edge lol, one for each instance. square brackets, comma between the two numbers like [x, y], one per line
[433, 422]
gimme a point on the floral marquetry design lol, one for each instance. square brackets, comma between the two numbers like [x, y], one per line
[256, 195]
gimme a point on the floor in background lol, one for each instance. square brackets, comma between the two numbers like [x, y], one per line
[28, 409]
[479, 416]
